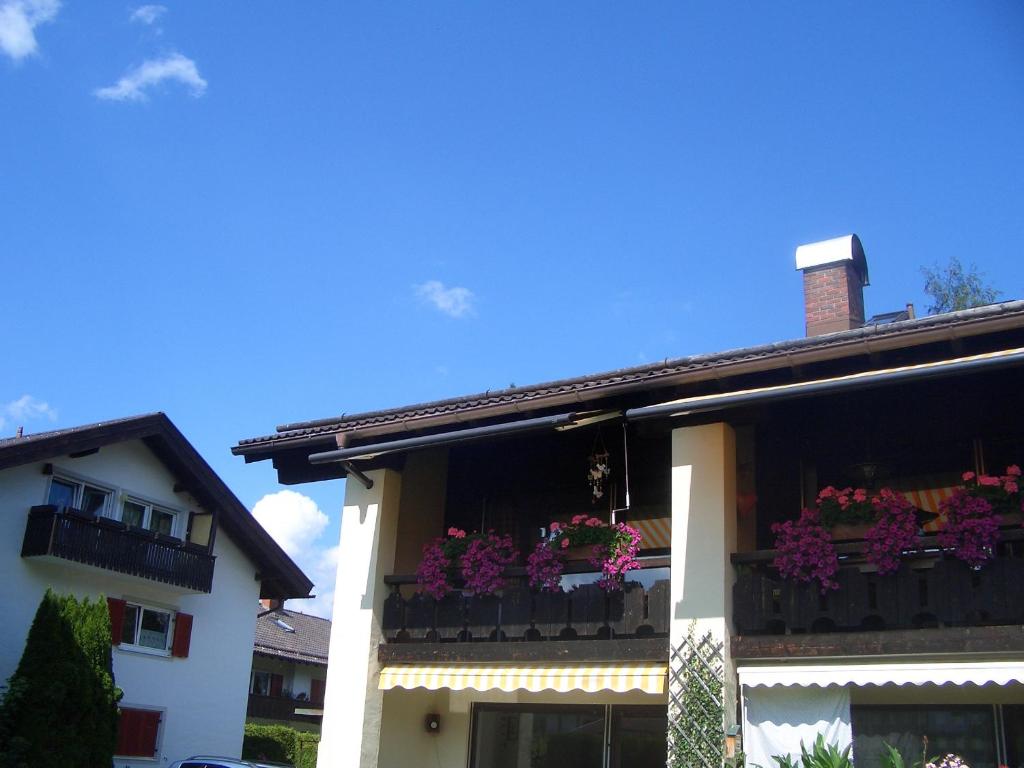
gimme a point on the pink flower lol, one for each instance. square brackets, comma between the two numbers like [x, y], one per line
[593, 522]
[565, 543]
[577, 519]
[860, 495]
[457, 533]
[1013, 470]
[555, 527]
[968, 476]
[1010, 487]
[988, 480]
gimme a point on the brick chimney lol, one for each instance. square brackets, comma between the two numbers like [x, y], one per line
[835, 273]
[270, 604]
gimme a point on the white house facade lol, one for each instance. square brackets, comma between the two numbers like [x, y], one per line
[128, 510]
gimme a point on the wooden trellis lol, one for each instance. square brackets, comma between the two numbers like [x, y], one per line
[696, 735]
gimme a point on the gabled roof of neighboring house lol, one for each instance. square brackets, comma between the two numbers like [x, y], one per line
[292, 635]
[885, 333]
[279, 576]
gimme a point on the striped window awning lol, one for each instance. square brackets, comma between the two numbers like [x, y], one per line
[916, 673]
[649, 678]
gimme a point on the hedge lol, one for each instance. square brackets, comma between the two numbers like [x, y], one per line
[280, 744]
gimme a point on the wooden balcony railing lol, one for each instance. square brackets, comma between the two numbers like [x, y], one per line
[109, 544]
[279, 707]
[586, 612]
[931, 589]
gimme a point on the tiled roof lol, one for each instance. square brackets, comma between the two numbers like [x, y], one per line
[588, 387]
[308, 643]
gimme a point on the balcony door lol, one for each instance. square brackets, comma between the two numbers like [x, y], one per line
[569, 736]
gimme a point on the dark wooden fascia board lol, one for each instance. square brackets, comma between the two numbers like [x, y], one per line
[900, 642]
[553, 651]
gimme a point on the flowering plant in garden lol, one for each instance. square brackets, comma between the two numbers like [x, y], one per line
[479, 558]
[949, 761]
[806, 552]
[613, 549]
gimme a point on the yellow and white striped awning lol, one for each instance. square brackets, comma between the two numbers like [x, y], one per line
[649, 678]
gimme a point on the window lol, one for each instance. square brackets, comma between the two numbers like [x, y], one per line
[967, 730]
[145, 627]
[89, 498]
[555, 736]
[137, 731]
[260, 683]
[266, 683]
[142, 514]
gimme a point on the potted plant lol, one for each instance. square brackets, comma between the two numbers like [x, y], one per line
[477, 560]
[973, 514]
[612, 548]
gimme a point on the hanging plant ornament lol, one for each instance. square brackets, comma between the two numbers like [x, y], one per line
[600, 469]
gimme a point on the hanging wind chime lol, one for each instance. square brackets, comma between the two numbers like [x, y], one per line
[600, 469]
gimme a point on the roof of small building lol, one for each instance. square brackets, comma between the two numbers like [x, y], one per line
[280, 577]
[882, 331]
[292, 635]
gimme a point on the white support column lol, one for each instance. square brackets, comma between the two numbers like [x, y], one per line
[353, 705]
[703, 537]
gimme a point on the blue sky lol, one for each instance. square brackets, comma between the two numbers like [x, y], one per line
[246, 214]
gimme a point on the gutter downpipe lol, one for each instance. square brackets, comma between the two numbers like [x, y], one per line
[792, 392]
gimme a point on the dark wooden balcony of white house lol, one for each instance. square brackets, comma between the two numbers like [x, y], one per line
[66, 534]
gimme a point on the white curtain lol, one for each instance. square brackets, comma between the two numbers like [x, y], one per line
[777, 719]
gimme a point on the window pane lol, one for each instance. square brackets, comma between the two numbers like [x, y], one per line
[261, 683]
[131, 623]
[638, 737]
[538, 737]
[153, 633]
[161, 522]
[94, 500]
[967, 731]
[132, 513]
[62, 493]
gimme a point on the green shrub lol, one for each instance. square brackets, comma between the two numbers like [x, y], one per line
[280, 744]
[60, 706]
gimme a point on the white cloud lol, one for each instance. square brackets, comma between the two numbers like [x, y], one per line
[18, 21]
[26, 408]
[133, 86]
[454, 301]
[147, 14]
[296, 523]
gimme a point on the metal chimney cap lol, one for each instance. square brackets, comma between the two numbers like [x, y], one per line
[834, 251]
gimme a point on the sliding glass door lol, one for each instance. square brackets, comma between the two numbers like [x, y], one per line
[570, 736]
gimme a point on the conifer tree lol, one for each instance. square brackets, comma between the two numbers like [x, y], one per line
[60, 706]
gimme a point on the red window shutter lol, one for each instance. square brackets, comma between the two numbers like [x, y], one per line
[316, 693]
[148, 733]
[116, 608]
[276, 684]
[137, 730]
[182, 634]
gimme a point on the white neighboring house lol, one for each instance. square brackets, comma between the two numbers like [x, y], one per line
[129, 510]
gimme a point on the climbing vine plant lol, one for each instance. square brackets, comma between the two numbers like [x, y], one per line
[696, 733]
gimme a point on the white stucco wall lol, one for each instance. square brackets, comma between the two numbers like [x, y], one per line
[204, 696]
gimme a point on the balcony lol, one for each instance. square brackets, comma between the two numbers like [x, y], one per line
[108, 544]
[282, 708]
[520, 624]
[929, 592]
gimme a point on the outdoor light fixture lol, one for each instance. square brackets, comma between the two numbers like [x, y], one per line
[432, 723]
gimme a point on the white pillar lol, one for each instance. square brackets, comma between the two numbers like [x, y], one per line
[353, 704]
[703, 537]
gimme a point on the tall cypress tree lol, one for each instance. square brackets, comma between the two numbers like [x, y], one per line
[60, 707]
